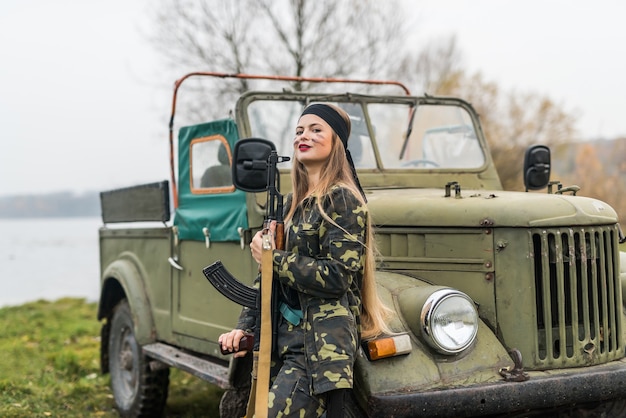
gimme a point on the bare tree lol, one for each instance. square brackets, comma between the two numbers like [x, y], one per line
[321, 38]
[204, 35]
[434, 69]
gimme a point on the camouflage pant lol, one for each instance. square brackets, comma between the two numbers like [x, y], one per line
[290, 394]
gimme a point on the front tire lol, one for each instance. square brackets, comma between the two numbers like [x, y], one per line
[138, 390]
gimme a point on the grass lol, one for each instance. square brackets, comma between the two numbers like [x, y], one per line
[50, 367]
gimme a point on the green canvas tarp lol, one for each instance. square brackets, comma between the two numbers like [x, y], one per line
[221, 213]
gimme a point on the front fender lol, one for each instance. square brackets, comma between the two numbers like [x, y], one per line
[126, 273]
[423, 369]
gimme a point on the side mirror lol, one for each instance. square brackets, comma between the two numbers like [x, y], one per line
[536, 167]
[250, 164]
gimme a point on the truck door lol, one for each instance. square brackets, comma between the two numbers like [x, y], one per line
[210, 222]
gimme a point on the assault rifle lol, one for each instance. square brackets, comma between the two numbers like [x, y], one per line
[254, 170]
[255, 159]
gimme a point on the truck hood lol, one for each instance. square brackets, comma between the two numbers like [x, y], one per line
[480, 208]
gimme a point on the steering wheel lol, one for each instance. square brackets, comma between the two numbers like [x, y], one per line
[419, 162]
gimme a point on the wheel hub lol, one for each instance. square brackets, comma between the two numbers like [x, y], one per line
[126, 360]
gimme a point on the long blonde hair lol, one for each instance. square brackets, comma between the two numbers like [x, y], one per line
[336, 172]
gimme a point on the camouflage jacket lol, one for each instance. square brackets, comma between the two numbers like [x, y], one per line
[324, 264]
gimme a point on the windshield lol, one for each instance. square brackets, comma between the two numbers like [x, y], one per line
[441, 136]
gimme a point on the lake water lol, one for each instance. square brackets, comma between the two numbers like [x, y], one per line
[48, 258]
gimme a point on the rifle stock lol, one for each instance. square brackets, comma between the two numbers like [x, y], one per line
[265, 300]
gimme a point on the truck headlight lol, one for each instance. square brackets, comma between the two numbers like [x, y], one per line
[449, 321]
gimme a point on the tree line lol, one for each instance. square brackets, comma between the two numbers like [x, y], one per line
[52, 205]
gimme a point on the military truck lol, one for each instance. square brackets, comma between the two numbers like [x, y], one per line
[506, 302]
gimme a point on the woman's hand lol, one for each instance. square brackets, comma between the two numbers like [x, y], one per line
[230, 341]
[256, 245]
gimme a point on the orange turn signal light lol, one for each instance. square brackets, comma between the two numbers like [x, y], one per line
[388, 347]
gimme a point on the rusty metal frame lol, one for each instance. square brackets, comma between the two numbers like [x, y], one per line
[255, 77]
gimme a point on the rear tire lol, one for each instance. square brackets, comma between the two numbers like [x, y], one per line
[138, 390]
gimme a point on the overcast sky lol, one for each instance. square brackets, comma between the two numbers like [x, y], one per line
[80, 107]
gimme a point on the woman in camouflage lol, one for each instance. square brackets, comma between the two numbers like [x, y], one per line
[325, 274]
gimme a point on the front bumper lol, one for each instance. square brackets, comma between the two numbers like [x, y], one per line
[551, 389]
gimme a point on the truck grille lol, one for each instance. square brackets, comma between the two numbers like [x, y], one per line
[578, 295]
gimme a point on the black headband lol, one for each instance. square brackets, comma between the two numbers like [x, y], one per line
[332, 118]
[339, 125]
